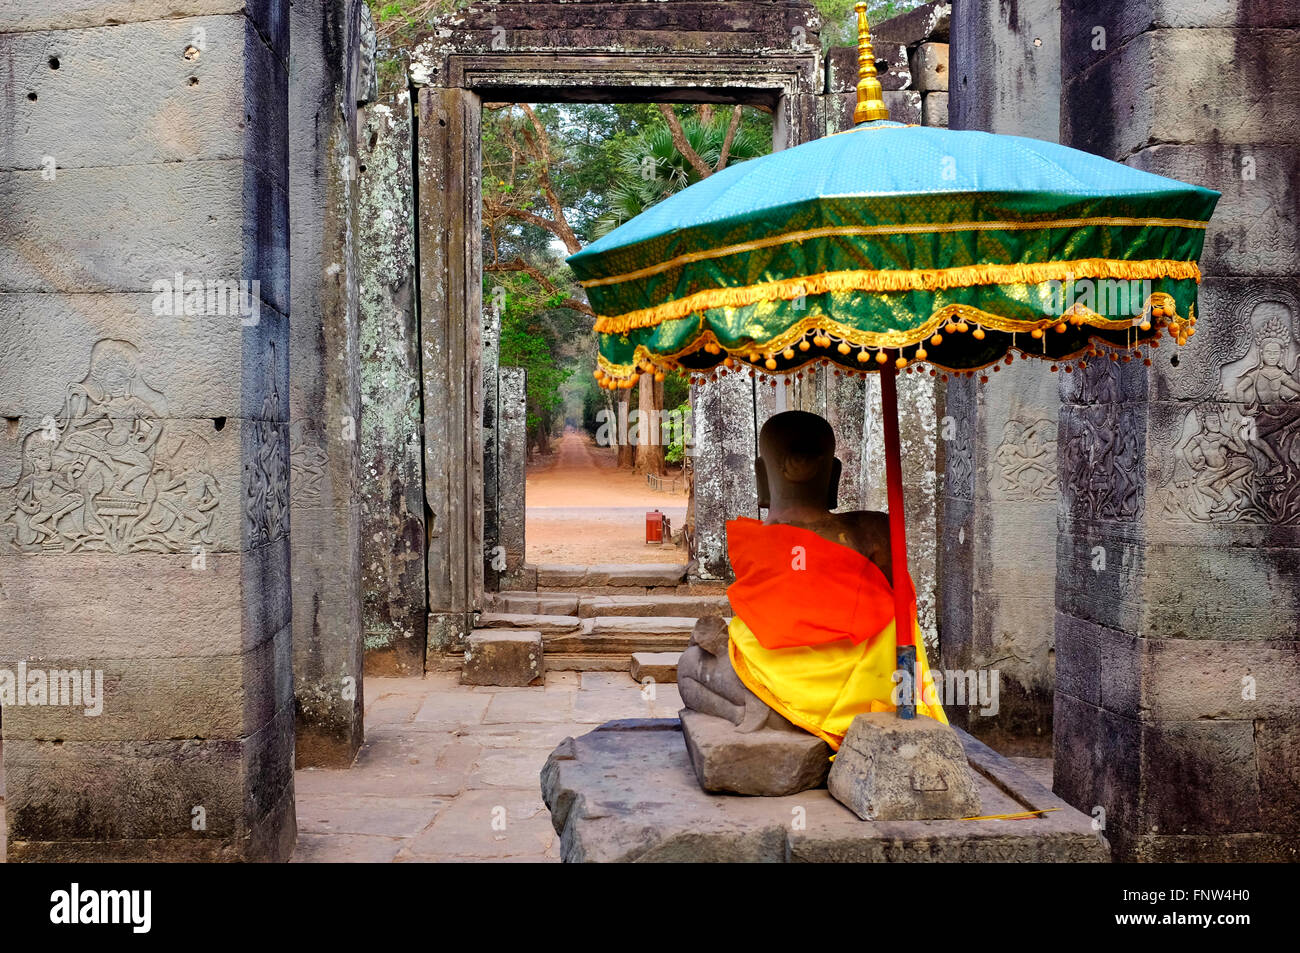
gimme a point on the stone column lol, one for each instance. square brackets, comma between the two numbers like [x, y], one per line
[722, 415]
[1000, 489]
[325, 403]
[144, 453]
[451, 313]
[512, 453]
[394, 612]
[1177, 698]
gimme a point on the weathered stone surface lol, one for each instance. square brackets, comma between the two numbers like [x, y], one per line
[627, 792]
[325, 401]
[497, 657]
[891, 769]
[934, 110]
[167, 510]
[929, 21]
[656, 666]
[533, 603]
[512, 448]
[1131, 99]
[892, 67]
[674, 605]
[929, 63]
[767, 762]
[391, 493]
[1005, 68]
[540, 623]
[1093, 31]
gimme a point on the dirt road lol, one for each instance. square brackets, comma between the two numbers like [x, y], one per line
[582, 509]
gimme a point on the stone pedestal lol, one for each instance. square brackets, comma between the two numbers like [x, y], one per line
[626, 792]
[144, 462]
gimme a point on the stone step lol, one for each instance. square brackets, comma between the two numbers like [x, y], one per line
[650, 605]
[533, 603]
[622, 634]
[546, 624]
[660, 666]
[647, 576]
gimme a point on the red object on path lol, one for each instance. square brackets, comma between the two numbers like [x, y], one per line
[654, 527]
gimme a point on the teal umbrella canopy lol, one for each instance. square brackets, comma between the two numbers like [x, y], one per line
[895, 238]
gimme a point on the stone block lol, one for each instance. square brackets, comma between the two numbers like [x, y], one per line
[892, 68]
[533, 603]
[540, 623]
[187, 366]
[934, 110]
[235, 604]
[110, 229]
[1095, 29]
[226, 102]
[891, 769]
[155, 699]
[270, 16]
[1253, 231]
[930, 68]
[767, 762]
[1277, 751]
[392, 530]
[1200, 778]
[929, 21]
[500, 657]
[1146, 81]
[1195, 679]
[657, 666]
[65, 800]
[1006, 68]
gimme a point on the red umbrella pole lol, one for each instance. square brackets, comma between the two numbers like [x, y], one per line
[898, 540]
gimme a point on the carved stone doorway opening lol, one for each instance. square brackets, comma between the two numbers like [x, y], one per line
[764, 54]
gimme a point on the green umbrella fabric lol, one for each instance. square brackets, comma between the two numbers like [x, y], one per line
[903, 244]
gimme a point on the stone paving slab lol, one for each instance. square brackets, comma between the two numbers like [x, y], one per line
[626, 792]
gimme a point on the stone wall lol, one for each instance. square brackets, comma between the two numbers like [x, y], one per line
[324, 402]
[144, 450]
[393, 605]
[998, 532]
[1178, 688]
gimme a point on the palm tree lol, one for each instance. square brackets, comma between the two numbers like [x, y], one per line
[651, 167]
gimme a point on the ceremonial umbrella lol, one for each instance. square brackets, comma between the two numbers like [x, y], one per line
[898, 247]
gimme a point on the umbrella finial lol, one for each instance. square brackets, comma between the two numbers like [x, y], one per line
[871, 104]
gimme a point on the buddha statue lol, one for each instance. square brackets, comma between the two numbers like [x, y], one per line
[811, 644]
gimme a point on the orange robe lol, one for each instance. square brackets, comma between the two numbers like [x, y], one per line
[813, 633]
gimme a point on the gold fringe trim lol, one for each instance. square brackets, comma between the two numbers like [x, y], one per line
[858, 231]
[643, 359]
[917, 279]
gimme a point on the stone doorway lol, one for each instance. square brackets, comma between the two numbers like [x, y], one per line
[723, 53]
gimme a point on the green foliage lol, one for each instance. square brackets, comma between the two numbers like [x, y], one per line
[527, 341]
[675, 452]
[649, 168]
[840, 26]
